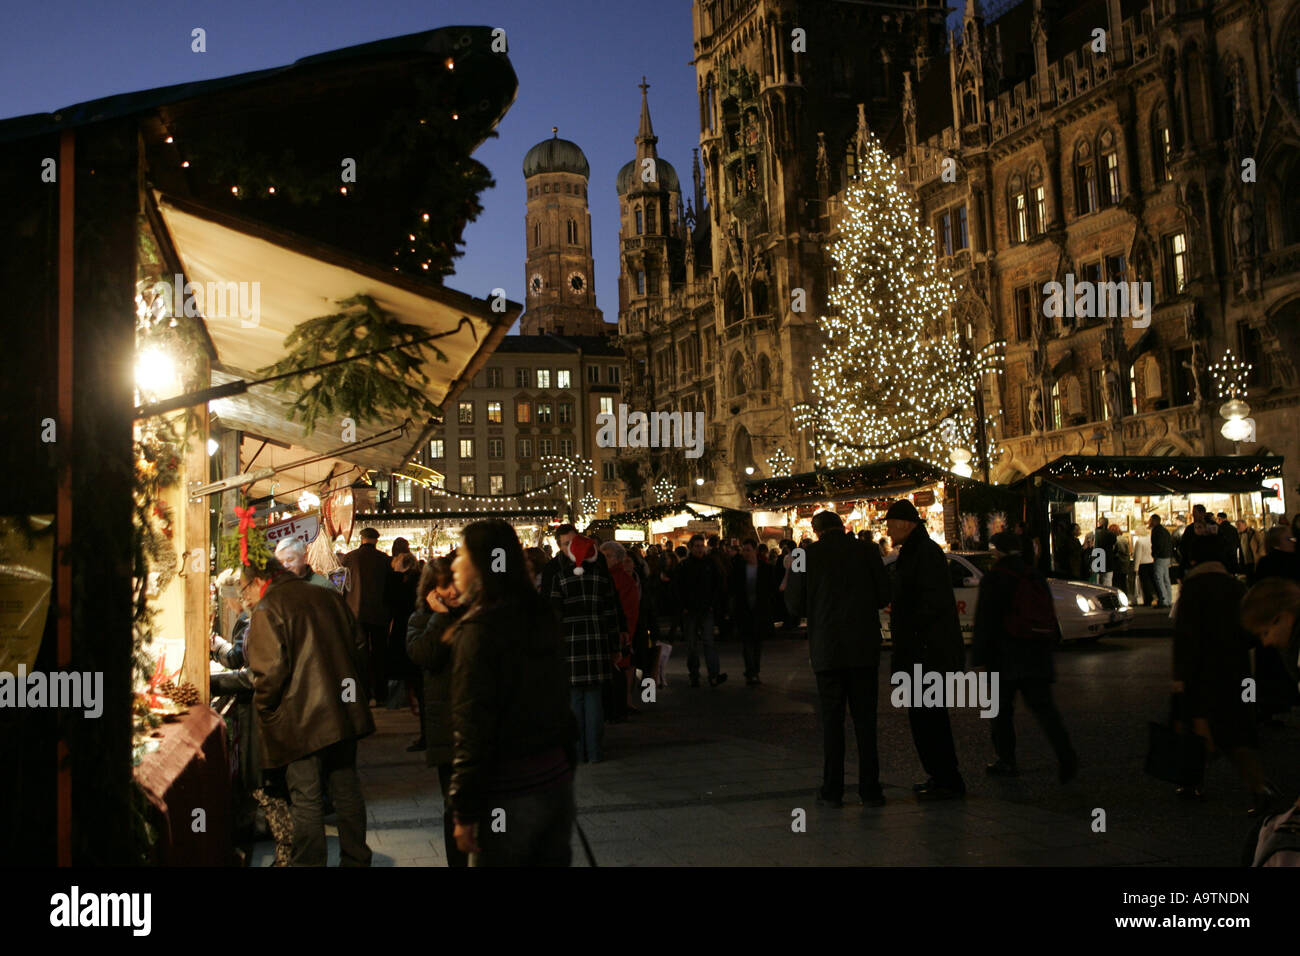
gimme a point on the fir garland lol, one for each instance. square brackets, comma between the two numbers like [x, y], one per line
[367, 388]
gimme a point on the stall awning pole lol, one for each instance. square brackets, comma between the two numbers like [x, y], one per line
[63, 522]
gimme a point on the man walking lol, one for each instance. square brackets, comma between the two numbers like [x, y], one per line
[699, 590]
[368, 579]
[1015, 634]
[926, 631]
[841, 591]
[1162, 552]
[753, 585]
[306, 656]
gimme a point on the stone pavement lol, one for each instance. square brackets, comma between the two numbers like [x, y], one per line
[715, 777]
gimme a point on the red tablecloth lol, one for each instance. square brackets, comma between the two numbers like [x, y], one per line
[190, 771]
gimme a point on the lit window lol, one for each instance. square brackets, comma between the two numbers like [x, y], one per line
[606, 405]
[467, 448]
[543, 413]
[1176, 264]
[436, 448]
[466, 416]
[562, 379]
[523, 412]
[496, 484]
[467, 484]
[494, 413]
[403, 491]
[543, 378]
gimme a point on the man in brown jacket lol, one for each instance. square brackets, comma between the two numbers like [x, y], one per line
[307, 658]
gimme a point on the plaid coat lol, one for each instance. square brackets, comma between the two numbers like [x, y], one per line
[587, 607]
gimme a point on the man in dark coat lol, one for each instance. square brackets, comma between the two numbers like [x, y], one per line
[1162, 552]
[926, 631]
[368, 569]
[307, 658]
[1022, 663]
[1200, 541]
[1103, 540]
[841, 590]
[1229, 543]
[753, 584]
[700, 591]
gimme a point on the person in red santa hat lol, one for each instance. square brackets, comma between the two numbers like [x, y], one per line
[586, 603]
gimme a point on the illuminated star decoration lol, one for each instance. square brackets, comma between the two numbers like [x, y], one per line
[664, 491]
[780, 464]
[1231, 376]
[589, 504]
[892, 368]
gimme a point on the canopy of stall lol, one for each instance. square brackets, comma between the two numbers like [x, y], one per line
[296, 280]
[884, 479]
[1176, 475]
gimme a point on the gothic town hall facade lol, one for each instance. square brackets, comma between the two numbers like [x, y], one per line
[1107, 141]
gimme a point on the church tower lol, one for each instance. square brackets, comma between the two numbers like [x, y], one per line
[559, 273]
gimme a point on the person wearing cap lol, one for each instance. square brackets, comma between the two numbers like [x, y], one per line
[586, 604]
[841, 587]
[368, 570]
[926, 631]
[1023, 664]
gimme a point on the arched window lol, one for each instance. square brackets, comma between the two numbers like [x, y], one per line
[734, 302]
[650, 218]
[764, 372]
[572, 228]
[640, 222]
[758, 297]
[1085, 180]
[537, 234]
[1162, 144]
[1110, 185]
[1017, 209]
[1037, 201]
[850, 160]
[969, 104]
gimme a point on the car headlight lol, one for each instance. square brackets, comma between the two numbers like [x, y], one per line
[1084, 604]
[1123, 599]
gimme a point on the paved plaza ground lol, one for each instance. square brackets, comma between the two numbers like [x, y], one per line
[714, 776]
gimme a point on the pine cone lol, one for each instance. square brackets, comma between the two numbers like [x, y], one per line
[167, 689]
[187, 695]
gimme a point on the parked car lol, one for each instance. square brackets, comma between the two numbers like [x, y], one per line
[1084, 611]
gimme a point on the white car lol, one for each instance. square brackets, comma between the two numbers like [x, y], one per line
[1084, 612]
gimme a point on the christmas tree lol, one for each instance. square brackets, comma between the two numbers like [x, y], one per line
[893, 379]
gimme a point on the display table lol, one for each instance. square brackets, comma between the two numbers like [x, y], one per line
[189, 771]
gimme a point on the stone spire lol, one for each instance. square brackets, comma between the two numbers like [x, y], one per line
[646, 175]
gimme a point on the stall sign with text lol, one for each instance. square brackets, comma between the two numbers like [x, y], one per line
[304, 528]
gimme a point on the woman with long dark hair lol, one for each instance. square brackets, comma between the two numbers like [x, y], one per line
[514, 733]
[438, 607]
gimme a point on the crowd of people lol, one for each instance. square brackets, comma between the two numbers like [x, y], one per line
[515, 660]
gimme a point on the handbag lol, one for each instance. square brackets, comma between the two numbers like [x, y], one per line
[1175, 756]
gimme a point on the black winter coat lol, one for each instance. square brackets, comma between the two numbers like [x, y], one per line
[509, 694]
[1212, 654]
[700, 585]
[992, 647]
[924, 623]
[759, 618]
[841, 592]
[426, 648]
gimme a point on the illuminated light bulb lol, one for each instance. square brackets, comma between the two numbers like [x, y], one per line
[343, 190]
[170, 139]
[185, 164]
[271, 190]
[234, 190]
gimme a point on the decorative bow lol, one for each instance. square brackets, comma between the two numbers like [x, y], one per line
[245, 516]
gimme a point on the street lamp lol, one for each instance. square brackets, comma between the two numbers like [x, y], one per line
[960, 462]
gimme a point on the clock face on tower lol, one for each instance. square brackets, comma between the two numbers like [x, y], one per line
[577, 282]
[535, 283]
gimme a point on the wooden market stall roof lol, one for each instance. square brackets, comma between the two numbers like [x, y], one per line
[1156, 475]
[657, 513]
[884, 479]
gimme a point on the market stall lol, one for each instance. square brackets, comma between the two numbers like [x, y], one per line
[672, 524]
[960, 513]
[292, 306]
[1128, 490]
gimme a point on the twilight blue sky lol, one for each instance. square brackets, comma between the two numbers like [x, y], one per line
[578, 63]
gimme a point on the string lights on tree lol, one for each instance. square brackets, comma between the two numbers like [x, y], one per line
[893, 379]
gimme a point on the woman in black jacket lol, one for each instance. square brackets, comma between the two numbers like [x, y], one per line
[437, 608]
[514, 732]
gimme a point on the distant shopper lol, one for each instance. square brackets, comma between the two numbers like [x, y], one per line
[1103, 540]
[428, 644]
[368, 570]
[627, 587]
[1229, 543]
[306, 655]
[926, 631]
[513, 729]
[1146, 570]
[700, 589]
[1200, 541]
[1123, 561]
[292, 553]
[1016, 633]
[753, 586]
[841, 591]
[1162, 553]
[1280, 558]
